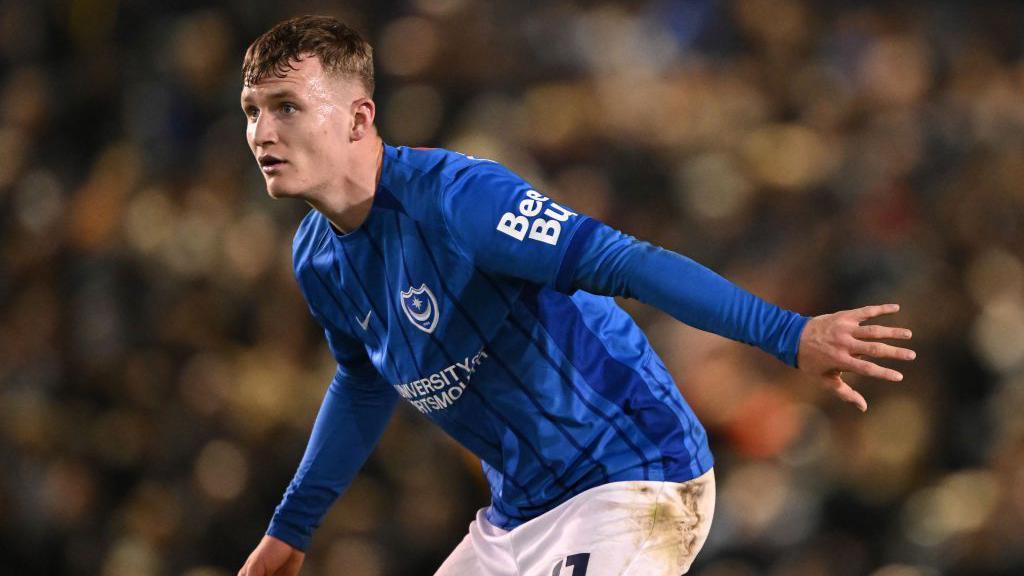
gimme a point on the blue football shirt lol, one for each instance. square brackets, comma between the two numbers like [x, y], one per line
[488, 307]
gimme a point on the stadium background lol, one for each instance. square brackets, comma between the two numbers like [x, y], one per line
[159, 371]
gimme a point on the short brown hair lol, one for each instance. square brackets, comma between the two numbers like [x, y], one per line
[341, 50]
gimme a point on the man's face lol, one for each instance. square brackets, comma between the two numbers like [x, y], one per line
[298, 128]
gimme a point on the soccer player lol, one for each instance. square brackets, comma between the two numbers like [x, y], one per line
[449, 282]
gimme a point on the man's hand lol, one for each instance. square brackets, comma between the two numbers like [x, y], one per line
[273, 558]
[836, 343]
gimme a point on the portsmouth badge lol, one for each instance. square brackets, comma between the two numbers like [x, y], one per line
[420, 307]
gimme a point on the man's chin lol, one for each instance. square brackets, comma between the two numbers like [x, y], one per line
[275, 190]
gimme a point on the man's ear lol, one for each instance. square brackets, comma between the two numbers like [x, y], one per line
[363, 112]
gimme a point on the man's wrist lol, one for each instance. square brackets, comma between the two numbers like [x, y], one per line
[791, 339]
[290, 535]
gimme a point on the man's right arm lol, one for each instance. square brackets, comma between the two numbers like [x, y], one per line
[351, 420]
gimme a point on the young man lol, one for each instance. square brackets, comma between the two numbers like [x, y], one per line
[448, 281]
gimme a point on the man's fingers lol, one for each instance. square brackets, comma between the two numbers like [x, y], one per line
[876, 332]
[865, 368]
[881, 350]
[866, 312]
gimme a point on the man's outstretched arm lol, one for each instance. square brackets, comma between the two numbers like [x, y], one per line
[506, 227]
[611, 263]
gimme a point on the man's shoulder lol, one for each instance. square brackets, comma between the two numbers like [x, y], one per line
[420, 182]
[427, 160]
[443, 167]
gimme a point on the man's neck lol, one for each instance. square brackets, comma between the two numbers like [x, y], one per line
[348, 205]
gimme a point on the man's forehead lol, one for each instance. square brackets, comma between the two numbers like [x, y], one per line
[272, 88]
[297, 71]
[302, 76]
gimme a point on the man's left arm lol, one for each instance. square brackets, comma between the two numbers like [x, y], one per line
[506, 227]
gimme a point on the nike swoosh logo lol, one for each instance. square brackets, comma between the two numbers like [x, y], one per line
[365, 323]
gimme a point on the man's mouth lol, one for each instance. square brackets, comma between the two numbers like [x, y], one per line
[270, 164]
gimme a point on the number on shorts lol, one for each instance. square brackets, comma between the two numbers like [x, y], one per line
[578, 563]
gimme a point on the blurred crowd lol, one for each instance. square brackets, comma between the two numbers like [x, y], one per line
[159, 371]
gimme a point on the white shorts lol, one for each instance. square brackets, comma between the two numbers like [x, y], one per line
[618, 529]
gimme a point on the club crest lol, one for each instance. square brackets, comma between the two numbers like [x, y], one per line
[420, 307]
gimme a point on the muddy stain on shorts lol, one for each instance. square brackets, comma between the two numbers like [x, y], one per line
[673, 519]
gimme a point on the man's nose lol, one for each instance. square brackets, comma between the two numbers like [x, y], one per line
[264, 130]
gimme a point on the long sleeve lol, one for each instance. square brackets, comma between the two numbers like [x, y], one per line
[611, 263]
[349, 424]
[506, 227]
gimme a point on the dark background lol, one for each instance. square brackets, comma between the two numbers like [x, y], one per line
[159, 371]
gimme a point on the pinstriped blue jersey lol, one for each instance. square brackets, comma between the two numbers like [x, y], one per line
[468, 294]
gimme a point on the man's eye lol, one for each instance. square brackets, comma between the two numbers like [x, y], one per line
[252, 113]
[289, 108]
